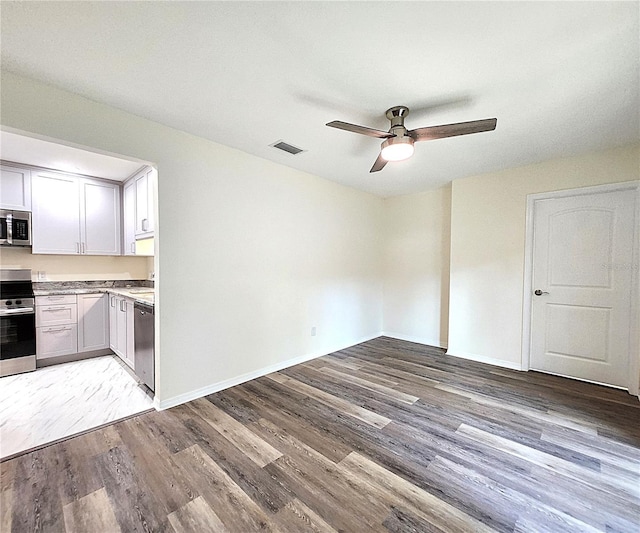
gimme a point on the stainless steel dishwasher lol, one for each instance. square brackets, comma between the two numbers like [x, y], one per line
[143, 327]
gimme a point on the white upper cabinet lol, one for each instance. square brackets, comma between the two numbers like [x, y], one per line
[129, 218]
[73, 215]
[56, 214]
[145, 194]
[15, 188]
[100, 225]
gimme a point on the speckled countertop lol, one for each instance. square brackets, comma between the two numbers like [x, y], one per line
[137, 290]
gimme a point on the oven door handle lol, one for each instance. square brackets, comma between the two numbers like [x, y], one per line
[20, 311]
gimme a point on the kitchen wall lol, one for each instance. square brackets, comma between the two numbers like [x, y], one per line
[250, 255]
[488, 245]
[75, 267]
[416, 266]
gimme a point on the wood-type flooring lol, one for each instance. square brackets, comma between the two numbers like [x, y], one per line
[386, 436]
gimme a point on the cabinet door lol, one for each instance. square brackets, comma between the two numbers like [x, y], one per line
[113, 323]
[122, 329]
[130, 338]
[100, 223]
[56, 214]
[15, 188]
[129, 218]
[93, 322]
[56, 340]
[145, 194]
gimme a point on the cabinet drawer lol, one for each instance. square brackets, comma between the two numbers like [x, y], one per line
[56, 315]
[57, 340]
[56, 299]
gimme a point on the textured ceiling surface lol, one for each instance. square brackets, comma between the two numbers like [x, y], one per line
[561, 77]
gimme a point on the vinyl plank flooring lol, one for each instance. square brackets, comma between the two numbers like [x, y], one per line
[252, 479]
[578, 472]
[323, 441]
[36, 501]
[296, 516]
[92, 512]
[134, 503]
[197, 515]
[171, 488]
[252, 446]
[385, 436]
[372, 476]
[332, 401]
[231, 504]
[370, 385]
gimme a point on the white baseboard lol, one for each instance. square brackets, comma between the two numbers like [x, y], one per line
[488, 360]
[232, 382]
[417, 340]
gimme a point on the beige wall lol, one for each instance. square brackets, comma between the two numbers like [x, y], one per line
[416, 266]
[488, 245]
[276, 251]
[80, 268]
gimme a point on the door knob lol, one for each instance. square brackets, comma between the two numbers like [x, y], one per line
[538, 292]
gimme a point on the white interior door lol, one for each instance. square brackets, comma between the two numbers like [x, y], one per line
[582, 281]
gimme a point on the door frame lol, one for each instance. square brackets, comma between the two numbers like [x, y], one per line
[527, 288]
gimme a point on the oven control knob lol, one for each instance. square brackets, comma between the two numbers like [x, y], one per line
[18, 302]
[8, 302]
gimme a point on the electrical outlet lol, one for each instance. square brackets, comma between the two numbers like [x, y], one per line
[313, 331]
[41, 275]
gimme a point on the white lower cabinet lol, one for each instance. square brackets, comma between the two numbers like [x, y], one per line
[121, 328]
[71, 324]
[93, 322]
[52, 341]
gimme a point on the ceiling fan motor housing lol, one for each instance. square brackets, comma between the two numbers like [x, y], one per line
[397, 115]
[400, 146]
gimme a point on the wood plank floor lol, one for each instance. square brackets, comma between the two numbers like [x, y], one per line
[386, 436]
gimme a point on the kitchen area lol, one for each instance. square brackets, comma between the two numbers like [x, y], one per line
[77, 269]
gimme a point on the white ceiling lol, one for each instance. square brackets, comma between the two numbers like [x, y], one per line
[41, 153]
[561, 77]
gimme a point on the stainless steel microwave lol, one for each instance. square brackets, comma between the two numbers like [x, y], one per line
[15, 228]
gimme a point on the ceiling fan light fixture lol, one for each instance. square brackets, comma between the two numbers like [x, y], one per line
[397, 148]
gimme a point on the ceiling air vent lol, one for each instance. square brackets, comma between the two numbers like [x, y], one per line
[286, 147]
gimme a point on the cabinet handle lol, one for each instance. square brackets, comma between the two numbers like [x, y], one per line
[123, 306]
[77, 247]
[55, 297]
[57, 330]
[83, 248]
[56, 309]
[133, 247]
[145, 224]
[113, 301]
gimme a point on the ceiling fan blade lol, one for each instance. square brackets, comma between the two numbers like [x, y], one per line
[452, 130]
[379, 164]
[360, 129]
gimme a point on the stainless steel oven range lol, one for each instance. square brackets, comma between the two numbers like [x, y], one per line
[17, 322]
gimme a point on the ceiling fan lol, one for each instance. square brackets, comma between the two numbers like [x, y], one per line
[398, 141]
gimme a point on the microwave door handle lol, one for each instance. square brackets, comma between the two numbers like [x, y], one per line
[9, 228]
